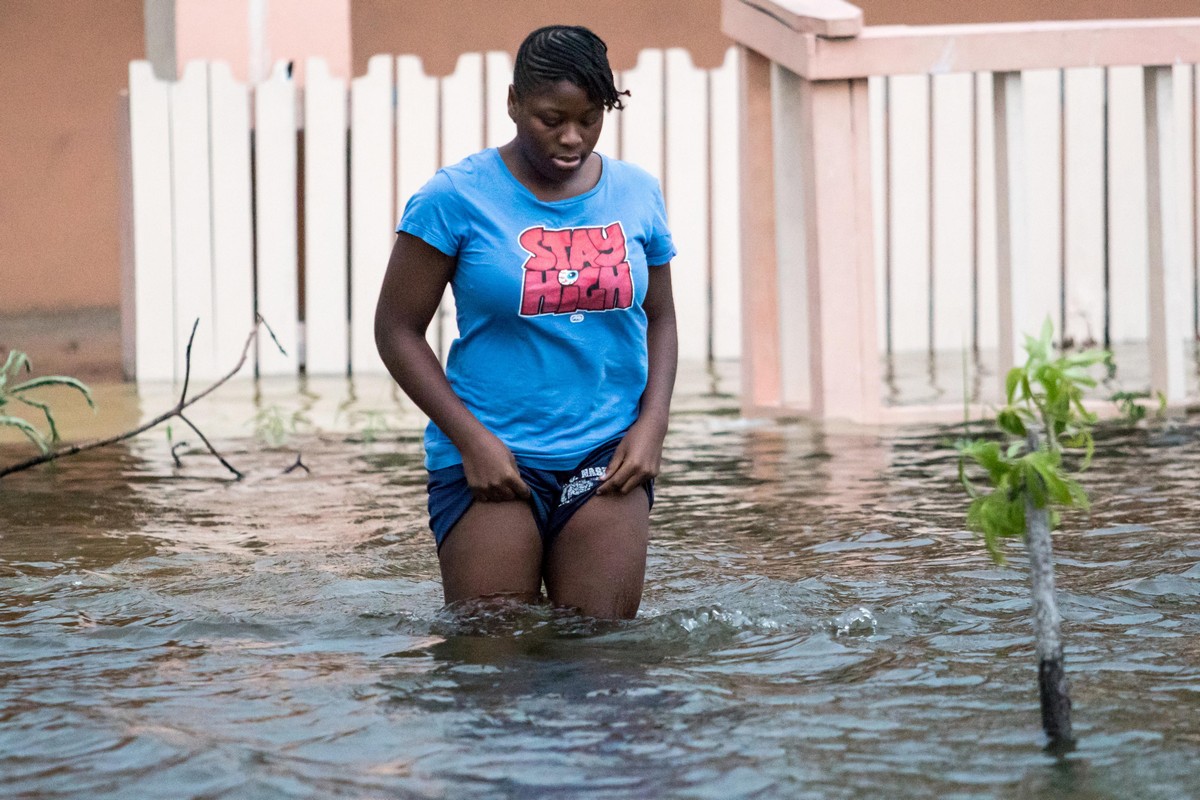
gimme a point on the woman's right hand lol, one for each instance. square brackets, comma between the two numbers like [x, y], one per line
[491, 471]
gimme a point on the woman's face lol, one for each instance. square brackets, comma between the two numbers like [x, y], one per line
[557, 128]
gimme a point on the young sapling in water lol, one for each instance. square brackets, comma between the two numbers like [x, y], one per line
[1042, 419]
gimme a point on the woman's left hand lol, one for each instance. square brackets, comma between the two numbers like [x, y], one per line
[636, 460]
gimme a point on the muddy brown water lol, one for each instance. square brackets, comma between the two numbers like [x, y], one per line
[817, 624]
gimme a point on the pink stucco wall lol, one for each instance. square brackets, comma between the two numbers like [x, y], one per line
[64, 62]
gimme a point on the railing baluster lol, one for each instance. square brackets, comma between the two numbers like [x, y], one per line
[1167, 326]
[1012, 230]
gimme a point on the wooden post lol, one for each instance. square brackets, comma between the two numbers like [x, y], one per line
[760, 308]
[839, 249]
[1167, 323]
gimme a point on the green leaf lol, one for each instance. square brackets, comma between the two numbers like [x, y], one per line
[1010, 422]
[45, 409]
[1011, 380]
[56, 380]
[24, 427]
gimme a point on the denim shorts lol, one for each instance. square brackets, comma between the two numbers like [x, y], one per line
[557, 494]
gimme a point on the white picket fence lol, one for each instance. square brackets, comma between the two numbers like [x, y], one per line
[226, 206]
[230, 207]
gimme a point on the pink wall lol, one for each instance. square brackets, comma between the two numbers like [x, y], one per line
[251, 35]
[64, 62]
[62, 65]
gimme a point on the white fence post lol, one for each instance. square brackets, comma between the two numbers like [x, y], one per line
[326, 276]
[276, 284]
[642, 120]
[724, 209]
[418, 121]
[499, 129]
[224, 242]
[1012, 229]
[686, 191]
[190, 206]
[372, 209]
[1168, 324]
[232, 239]
[153, 232]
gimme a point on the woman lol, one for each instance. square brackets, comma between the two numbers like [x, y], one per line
[546, 429]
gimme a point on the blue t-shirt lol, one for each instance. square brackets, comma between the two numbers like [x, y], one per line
[551, 353]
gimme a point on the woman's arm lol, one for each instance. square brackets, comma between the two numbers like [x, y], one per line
[416, 277]
[639, 455]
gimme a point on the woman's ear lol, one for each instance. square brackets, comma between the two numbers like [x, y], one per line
[512, 102]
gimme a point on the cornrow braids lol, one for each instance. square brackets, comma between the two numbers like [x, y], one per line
[567, 52]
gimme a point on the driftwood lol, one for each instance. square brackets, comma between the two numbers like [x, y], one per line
[175, 411]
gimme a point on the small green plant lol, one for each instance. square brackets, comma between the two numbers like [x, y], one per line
[273, 426]
[13, 391]
[1044, 397]
[1043, 417]
[370, 424]
[1135, 405]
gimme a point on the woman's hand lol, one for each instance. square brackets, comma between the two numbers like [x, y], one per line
[637, 459]
[639, 455]
[492, 471]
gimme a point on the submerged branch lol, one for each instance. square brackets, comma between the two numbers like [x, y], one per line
[175, 411]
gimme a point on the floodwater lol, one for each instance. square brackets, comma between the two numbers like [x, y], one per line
[816, 624]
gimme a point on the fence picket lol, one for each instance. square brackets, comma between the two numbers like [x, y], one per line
[232, 245]
[1129, 245]
[498, 71]
[326, 301]
[909, 156]
[462, 129]
[153, 238]
[1043, 269]
[609, 143]
[724, 210]
[418, 120]
[276, 284]
[1167, 289]
[987, 279]
[686, 193]
[190, 219]
[951, 246]
[641, 126]
[1012, 239]
[1084, 291]
[372, 211]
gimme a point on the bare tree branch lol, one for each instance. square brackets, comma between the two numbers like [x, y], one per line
[176, 411]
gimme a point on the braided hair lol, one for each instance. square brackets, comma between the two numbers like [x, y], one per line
[571, 53]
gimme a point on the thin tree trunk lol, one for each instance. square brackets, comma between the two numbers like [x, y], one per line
[1047, 623]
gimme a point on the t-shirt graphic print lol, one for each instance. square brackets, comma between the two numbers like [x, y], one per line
[575, 269]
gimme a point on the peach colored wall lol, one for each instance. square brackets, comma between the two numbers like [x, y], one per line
[62, 63]
[217, 30]
[292, 29]
[438, 30]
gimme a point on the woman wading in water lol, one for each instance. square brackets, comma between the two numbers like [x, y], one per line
[546, 428]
